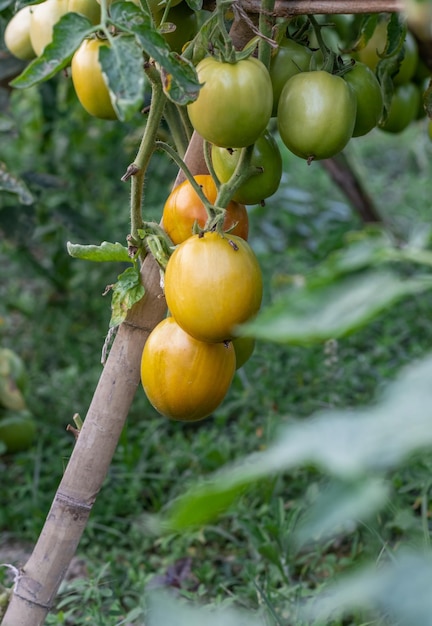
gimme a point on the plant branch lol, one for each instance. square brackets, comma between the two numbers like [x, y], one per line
[286, 8]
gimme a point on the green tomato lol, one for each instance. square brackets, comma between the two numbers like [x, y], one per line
[290, 58]
[316, 114]
[366, 87]
[265, 155]
[17, 35]
[403, 108]
[17, 430]
[186, 26]
[234, 105]
[409, 62]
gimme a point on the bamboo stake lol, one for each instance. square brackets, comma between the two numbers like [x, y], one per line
[285, 8]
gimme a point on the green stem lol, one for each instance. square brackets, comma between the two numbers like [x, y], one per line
[265, 26]
[176, 128]
[182, 165]
[209, 163]
[188, 128]
[242, 172]
[140, 164]
[329, 56]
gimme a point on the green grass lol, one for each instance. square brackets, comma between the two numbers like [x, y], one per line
[54, 316]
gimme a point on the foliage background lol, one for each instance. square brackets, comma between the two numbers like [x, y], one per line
[53, 314]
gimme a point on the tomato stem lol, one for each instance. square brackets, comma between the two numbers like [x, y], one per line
[176, 127]
[209, 163]
[242, 172]
[329, 57]
[266, 22]
[143, 156]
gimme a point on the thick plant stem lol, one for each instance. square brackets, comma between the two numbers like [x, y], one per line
[39, 579]
[284, 8]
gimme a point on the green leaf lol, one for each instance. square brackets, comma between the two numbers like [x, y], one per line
[195, 5]
[179, 78]
[107, 251]
[123, 66]
[126, 292]
[165, 610]
[305, 314]
[367, 27]
[345, 443]
[12, 184]
[68, 33]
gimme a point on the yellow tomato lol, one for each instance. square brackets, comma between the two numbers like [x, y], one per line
[17, 35]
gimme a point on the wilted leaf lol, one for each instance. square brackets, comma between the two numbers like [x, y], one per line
[345, 443]
[179, 77]
[107, 251]
[122, 65]
[306, 314]
[127, 291]
[12, 184]
[68, 33]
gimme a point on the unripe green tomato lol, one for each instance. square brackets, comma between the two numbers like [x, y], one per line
[265, 155]
[44, 16]
[316, 114]
[290, 58]
[244, 347]
[88, 81]
[234, 105]
[186, 24]
[17, 430]
[369, 98]
[403, 108]
[17, 35]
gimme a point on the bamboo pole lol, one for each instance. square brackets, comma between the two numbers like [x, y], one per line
[285, 8]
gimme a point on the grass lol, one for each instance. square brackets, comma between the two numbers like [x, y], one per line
[54, 316]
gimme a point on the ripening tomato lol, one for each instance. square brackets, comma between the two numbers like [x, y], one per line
[404, 108]
[369, 98]
[17, 35]
[234, 105]
[45, 15]
[183, 378]
[213, 283]
[88, 81]
[265, 155]
[316, 114]
[290, 58]
[183, 208]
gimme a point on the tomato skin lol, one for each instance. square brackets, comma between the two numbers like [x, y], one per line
[183, 207]
[234, 105]
[213, 283]
[185, 379]
[244, 348]
[186, 23]
[369, 98]
[17, 35]
[290, 58]
[88, 81]
[404, 108]
[316, 114]
[265, 155]
[46, 14]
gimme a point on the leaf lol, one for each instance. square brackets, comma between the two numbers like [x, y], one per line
[68, 33]
[107, 251]
[366, 30]
[337, 509]
[345, 443]
[179, 78]
[127, 291]
[306, 314]
[168, 611]
[195, 5]
[400, 589]
[123, 67]
[12, 184]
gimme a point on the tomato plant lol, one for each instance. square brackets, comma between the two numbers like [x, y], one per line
[186, 26]
[88, 81]
[17, 35]
[213, 283]
[183, 378]
[234, 105]
[367, 89]
[404, 108]
[266, 158]
[316, 114]
[183, 208]
[46, 14]
[290, 58]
